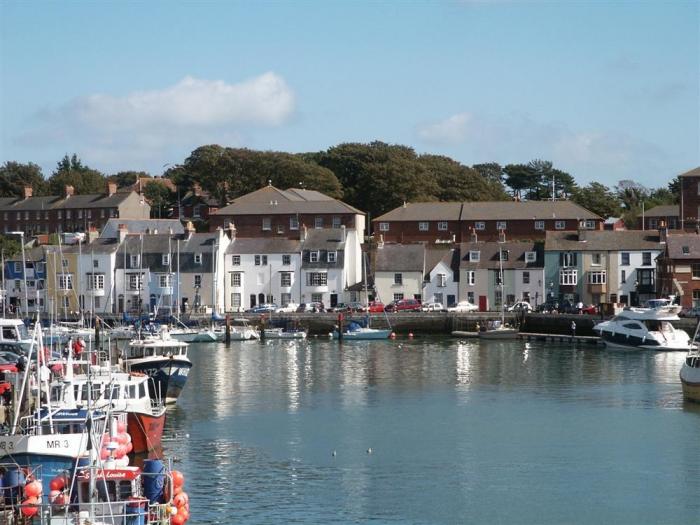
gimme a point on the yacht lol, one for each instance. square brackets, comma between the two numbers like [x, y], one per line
[645, 328]
[690, 371]
[240, 330]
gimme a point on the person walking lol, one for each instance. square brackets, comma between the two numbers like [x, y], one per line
[573, 328]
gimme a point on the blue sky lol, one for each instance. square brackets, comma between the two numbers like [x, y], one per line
[606, 90]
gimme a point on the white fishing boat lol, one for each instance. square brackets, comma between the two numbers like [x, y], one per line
[355, 332]
[192, 335]
[645, 328]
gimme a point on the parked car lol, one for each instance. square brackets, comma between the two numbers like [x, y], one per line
[287, 308]
[349, 308]
[432, 307]
[404, 305]
[310, 307]
[264, 308]
[690, 312]
[520, 306]
[547, 307]
[590, 309]
[463, 306]
[15, 348]
[375, 307]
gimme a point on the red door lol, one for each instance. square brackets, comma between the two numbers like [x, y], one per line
[483, 303]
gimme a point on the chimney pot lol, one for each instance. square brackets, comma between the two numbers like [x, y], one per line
[111, 188]
[70, 190]
[28, 191]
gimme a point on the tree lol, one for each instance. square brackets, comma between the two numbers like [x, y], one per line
[9, 246]
[675, 188]
[599, 199]
[521, 178]
[14, 176]
[70, 171]
[457, 182]
[127, 178]
[160, 198]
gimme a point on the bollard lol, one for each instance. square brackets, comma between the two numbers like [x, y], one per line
[340, 326]
[227, 333]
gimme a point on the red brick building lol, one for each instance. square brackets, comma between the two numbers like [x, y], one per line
[69, 212]
[682, 216]
[679, 268]
[455, 221]
[271, 212]
[197, 206]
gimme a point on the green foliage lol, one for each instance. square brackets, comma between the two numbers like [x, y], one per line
[9, 246]
[14, 176]
[160, 198]
[70, 171]
[457, 182]
[127, 178]
[599, 199]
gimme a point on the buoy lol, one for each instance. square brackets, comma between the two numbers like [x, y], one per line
[178, 518]
[178, 478]
[410, 335]
[104, 454]
[32, 489]
[58, 483]
[179, 500]
[333, 453]
[369, 450]
[53, 495]
[121, 427]
[392, 336]
[30, 507]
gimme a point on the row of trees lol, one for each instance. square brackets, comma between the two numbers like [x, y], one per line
[374, 177]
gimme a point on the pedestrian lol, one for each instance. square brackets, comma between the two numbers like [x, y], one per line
[573, 328]
[579, 307]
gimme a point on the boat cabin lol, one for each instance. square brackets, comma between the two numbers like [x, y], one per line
[13, 331]
[102, 392]
[145, 350]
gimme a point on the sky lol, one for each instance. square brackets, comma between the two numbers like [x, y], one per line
[605, 90]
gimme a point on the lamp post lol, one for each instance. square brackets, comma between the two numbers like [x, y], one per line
[24, 274]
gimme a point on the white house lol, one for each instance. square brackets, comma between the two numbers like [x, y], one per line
[96, 283]
[261, 270]
[326, 271]
[442, 276]
[399, 271]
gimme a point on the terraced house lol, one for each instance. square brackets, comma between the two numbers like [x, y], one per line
[682, 216]
[679, 268]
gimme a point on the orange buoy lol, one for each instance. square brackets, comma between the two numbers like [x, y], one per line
[121, 427]
[32, 489]
[393, 335]
[58, 483]
[178, 478]
[410, 335]
[178, 519]
[179, 500]
[30, 507]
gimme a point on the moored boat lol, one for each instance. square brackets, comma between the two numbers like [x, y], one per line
[690, 371]
[14, 331]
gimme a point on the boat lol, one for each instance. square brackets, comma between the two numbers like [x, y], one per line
[240, 330]
[102, 388]
[356, 332]
[191, 335]
[162, 358]
[645, 328]
[498, 329]
[14, 331]
[690, 371]
[284, 333]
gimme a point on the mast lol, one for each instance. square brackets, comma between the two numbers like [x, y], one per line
[3, 293]
[170, 273]
[500, 271]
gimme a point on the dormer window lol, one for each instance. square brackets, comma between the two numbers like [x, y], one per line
[313, 256]
[165, 259]
[474, 256]
[198, 258]
[530, 257]
[504, 255]
[332, 257]
[686, 250]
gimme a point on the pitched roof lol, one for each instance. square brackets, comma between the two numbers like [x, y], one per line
[664, 210]
[489, 255]
[605, 240]
[695, 172]
[676, 242]
[400, 258]
[111, 229]
[263, 246]
[97, 246]
[273, 201]
[199, 242]
[424, 211]
[49, 202]
[324, 239]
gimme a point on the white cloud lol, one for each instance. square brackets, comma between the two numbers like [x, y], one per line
[587, 154]
[147, 124]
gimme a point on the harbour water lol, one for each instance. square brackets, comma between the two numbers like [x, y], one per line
[459, 432]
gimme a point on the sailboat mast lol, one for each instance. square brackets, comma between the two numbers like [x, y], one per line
[500, 270]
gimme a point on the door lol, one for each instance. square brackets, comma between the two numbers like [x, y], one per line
[483, 303]
[451, 299]
[120, 303]
[334, 300]
[261, 298]
[252, 300]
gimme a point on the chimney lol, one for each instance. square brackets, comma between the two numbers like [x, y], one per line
[189, 229]
[196, 189]
[345, 233]
[474, 236]
[501, 236]
[92, 234]
[380, 244]
[231, 230]
[70, 190]
[663, 231]
[111, 188]
[123, 231]
[28, 191]
[303, 232]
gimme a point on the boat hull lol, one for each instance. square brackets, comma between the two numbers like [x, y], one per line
[690, 378]
[506, 333]
[624, 341]
[363, 335]
[146, 431]
[169, 377]
[277, 334]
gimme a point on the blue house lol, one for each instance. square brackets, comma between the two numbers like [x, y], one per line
[35, 265]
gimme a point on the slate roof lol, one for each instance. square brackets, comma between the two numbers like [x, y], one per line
[400, 258]
[676, 242]
[97, 246]
[61, 202]
[664, 210]
[606, 240]
[263, 246]
[449, 256]
[199, 243]
[111, 229]
[489, 255]
[695, 172]
[324, 239]
[273, 201]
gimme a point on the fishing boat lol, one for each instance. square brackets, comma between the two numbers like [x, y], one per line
[162, 358]
[498, 329]
[645, 328]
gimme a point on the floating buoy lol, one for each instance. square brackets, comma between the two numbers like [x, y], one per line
[179, 500]
[369, 450]
[410, 335]
[178, 518]
[393, 335]
[333, 453]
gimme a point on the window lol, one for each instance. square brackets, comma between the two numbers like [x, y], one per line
[64, 263]
[313, 256]
[316, 297]
[595, 259]
[196, 211]
[164, 280]
[625, 259]
[474, 255]
[696, 270]
[316, 279]
[135, 281]
[198, 258]
[96, 282]
[197, 281]
[133, 261]
[95, 263]
[480, 225]
[266, 224]
[441, 281]
[623, 276]
[560, 225]
[18, 267]
[442, 226]
[318, 222]
[102, 214]
[60, 214]
[286, 298]
[526, 277]
[504, 255]
[66, 302]
[696, 298]
[471, 278]
[96, 302]
[383, 226]
[423, 226]
[646, 277]
[686, 250]
[596, 277]
[65, 282]
[293, 223]
[236, 260]
[530, 257]
[589, 224]
[398, 278]
[438, 297]
[113, 212]
[264, 260]
[568, 276]
[539, 225]
[236, 279]
[501, 225]
[498, 278]
[38, 215]
[80, 214]
[336, 221]
[68, 215]
[286, 260]
[286, 279]
[646, 258]
[88, 214]
[165, 259]
[653, 223]
[470, 297]
[236, 300]
[280, 229]
[332, 257]
[398, 297]
[567, 259]
[257, 260]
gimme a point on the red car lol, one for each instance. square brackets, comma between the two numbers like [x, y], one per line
[404, 305]
[589, 310]
[375, 307]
